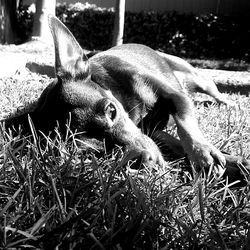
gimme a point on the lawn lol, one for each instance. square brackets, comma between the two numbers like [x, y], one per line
[54, 195]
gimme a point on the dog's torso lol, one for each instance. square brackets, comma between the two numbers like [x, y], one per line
[132, 78]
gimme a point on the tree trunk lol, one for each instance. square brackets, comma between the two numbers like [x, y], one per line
[119, 22]
[40, 27]
[8, 21]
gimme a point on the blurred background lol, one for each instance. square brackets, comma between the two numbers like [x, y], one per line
[194, 29]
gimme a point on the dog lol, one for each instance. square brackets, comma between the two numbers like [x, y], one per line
[121, 92]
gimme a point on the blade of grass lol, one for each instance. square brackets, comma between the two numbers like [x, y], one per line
[11, 200]
[42, 221]
[27, 235]
[201, 200]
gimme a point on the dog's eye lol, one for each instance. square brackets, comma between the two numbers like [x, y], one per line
[110, 111]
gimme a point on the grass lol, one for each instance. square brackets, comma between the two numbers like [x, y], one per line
[55, 196]
[227, 64]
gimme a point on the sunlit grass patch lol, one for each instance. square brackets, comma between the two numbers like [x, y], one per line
[19, 91]
[55, 195]
[227, 127]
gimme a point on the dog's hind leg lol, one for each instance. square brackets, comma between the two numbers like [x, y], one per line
[191, 80]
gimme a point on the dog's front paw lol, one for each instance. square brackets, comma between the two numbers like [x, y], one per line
[146, 157]
[237, 170]
[152, 157]
[205, 155]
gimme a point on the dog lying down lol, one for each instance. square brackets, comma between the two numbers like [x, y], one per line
[118, 93]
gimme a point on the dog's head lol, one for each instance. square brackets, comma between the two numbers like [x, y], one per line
[88, 106]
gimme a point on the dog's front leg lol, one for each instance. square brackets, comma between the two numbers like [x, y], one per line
[199, 150]
[236, 169]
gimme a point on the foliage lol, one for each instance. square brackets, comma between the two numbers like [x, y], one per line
[94, 29]
[195, 36]
[24, 22]
[185, 35]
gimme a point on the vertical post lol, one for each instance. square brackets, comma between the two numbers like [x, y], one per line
[218, 7]
[119, 23]
[40, 27]
[8, 21]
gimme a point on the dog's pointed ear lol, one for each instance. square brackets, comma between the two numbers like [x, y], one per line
[70, 59]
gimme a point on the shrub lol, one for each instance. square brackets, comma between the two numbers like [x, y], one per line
[25, 19]
[188, 35]
[185, 35]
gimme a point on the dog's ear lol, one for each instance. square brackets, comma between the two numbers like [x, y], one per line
[70, 59]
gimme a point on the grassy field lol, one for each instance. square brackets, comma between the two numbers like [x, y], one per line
[56, 196]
